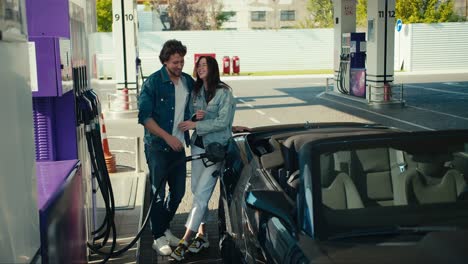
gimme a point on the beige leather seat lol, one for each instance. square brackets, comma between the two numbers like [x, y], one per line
[338, 190]
[371, 172]
[432, 182]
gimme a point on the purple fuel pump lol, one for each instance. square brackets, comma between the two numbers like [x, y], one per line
[59, 39]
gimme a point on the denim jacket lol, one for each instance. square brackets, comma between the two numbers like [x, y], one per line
[157, 101]
[216, 126]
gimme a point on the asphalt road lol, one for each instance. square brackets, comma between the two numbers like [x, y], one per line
[430, 105]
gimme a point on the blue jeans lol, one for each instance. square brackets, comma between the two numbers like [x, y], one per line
[165, 167]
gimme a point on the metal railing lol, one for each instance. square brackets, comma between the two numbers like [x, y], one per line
[135, 152]
[328, 81]
[121, 102]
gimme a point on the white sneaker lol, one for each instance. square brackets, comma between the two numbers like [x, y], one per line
[173, 240]
[161, 245]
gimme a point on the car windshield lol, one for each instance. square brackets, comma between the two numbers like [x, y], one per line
[371, 186]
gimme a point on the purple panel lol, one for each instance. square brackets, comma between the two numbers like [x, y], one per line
[48, 18]
[65, 128]
[50, 177]
[62, 219]
[358, 82]
[44, 120]
[48, 66]
[55, 128]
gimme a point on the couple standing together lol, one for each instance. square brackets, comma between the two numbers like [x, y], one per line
[170, 104]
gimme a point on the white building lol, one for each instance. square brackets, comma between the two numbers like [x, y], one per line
[461, 7]
[247, 14]
[264, 14]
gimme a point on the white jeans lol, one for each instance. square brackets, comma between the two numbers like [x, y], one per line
[203, 184]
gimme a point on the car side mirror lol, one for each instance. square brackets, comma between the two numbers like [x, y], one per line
[275, 203]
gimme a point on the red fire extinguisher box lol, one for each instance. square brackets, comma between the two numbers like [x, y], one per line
[235, 65]
[196, 56]
[226, 65]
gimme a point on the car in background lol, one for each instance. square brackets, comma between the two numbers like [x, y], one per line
[344, 193]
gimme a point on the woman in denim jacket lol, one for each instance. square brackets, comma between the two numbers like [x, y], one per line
[213, 108]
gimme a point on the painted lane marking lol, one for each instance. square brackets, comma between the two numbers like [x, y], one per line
[275, 121]
[378, 114]
[437, 112]
[436, 90]
[260, 112]
[454, 84]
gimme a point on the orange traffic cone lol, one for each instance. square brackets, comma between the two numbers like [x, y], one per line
[110, 159]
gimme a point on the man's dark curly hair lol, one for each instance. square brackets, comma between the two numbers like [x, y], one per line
[172, 47]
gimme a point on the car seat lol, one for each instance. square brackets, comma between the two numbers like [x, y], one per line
[432, 181]
[371, 172]
[338, 190]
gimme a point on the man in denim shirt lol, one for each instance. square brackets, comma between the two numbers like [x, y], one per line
[162, 106]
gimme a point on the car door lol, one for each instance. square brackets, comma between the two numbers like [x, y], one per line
[263, 231]
[257, 236]
[271, 218]
[234, 179]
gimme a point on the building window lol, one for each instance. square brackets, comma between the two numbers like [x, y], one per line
[288, 15]
[258, 15]
[230, 15]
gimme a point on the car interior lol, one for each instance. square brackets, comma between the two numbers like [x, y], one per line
[367, 177]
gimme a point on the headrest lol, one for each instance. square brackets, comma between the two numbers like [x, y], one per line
[431, 165]
[374, 160]
[431, 157]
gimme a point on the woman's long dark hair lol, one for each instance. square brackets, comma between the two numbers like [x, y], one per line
[213, 80]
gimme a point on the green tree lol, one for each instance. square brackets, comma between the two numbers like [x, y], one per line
[192, 14]
[217, 15]
[222, 17]
[410, 11]
[361, 13]
[426, 11]
[321, 14]
[104, 15]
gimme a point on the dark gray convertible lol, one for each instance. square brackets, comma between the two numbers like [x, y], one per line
[344, 193]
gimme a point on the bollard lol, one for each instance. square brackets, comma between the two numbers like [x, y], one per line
[125, 98]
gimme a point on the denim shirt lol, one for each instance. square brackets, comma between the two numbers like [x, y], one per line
[157, 101]
[216, 126]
